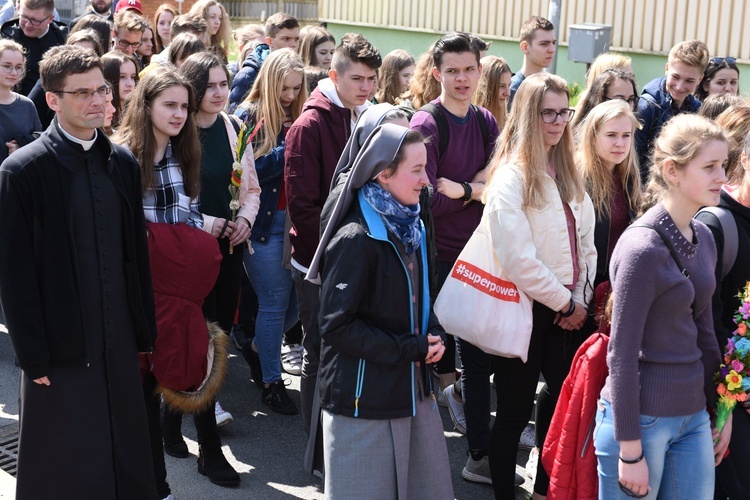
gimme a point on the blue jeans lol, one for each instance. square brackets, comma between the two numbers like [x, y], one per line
[678, 451]
[277, 302]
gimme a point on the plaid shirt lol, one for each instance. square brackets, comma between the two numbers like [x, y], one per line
[167, 202]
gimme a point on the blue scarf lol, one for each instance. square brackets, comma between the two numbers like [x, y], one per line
[401, 220]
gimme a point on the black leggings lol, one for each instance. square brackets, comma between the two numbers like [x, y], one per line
[221, 303]
[550, 352]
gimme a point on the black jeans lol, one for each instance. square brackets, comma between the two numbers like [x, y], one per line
[550, 352]
[475, 389]
[733, 473]
[308, 304]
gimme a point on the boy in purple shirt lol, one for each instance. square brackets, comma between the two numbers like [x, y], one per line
[456, 209]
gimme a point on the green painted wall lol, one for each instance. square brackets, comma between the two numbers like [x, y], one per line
[646, 66]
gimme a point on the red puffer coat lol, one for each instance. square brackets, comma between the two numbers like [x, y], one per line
[568, 453]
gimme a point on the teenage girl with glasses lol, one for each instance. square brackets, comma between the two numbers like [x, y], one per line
[18, 116]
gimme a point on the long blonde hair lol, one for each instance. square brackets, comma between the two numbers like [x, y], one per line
[265, 94]
[681, 139]
[596, 175]
[522, 143]
[488, 89]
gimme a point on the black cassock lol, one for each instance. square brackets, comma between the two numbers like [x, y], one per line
[85, 436]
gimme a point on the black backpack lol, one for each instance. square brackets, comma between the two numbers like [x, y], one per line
[443, 130]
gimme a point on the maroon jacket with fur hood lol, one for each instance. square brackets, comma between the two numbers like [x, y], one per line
[314, 144]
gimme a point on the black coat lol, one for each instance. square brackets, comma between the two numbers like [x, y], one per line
[40, 288]
[366, 327]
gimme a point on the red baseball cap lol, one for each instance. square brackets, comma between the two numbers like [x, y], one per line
[129, 4]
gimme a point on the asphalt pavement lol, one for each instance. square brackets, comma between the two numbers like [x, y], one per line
[264, 447]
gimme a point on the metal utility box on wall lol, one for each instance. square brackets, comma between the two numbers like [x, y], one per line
[588, 40]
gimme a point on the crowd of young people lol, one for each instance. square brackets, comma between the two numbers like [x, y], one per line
[316, 223]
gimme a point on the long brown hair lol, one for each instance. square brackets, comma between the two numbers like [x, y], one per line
[310, 38]
[220, 42]
[488, 89]
[159, 45]
[522, 143]
[136, 131]
[389, 87]
[598, 178]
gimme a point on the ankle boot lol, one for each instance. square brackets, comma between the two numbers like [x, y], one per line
[171, 432]
[213, 464]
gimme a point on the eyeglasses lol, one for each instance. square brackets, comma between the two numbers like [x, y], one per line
[719, 60]
[32, 21]
[550, 115]
[8, 69]
[124, 44]
[632, 100]
[87, 95]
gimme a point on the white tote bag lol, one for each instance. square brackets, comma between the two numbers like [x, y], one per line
[480, 305]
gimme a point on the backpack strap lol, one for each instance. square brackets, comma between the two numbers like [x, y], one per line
[731, 236]
[442, 125]
[482, 124]
[443, 130]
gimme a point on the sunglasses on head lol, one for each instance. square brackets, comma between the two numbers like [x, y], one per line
[719, 60]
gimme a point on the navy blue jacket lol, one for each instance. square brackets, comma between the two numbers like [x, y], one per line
[245, 77]
[655, 108]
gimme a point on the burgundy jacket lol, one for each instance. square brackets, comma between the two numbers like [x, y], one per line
[314, 144]
[184, 264]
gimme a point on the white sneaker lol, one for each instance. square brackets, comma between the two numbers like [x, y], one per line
[531, 464]
[223, 417]
[527, 438]
[168, 497]
[455, 409]
[291, 359]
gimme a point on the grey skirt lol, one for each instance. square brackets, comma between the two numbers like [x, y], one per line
[401, 458]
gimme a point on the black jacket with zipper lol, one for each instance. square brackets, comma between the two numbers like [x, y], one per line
[365, 325]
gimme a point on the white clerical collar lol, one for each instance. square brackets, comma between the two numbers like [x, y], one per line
[86, 145]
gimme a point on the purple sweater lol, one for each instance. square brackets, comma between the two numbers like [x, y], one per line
[464, 157]
[661, 359]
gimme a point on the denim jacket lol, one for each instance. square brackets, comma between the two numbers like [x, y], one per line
[270, 170]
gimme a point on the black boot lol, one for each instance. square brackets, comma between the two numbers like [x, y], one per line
[252, 358]
[275, 397]
[171, 432]
[213, 464]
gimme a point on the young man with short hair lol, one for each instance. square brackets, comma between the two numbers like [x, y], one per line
[313, 146]
[282, 31]
[36, 31]
[129, 28]
[669, 95]
[79, 316]
[538, 44]
[456, 175]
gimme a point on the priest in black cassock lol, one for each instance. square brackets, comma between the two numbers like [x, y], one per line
[75, 289]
